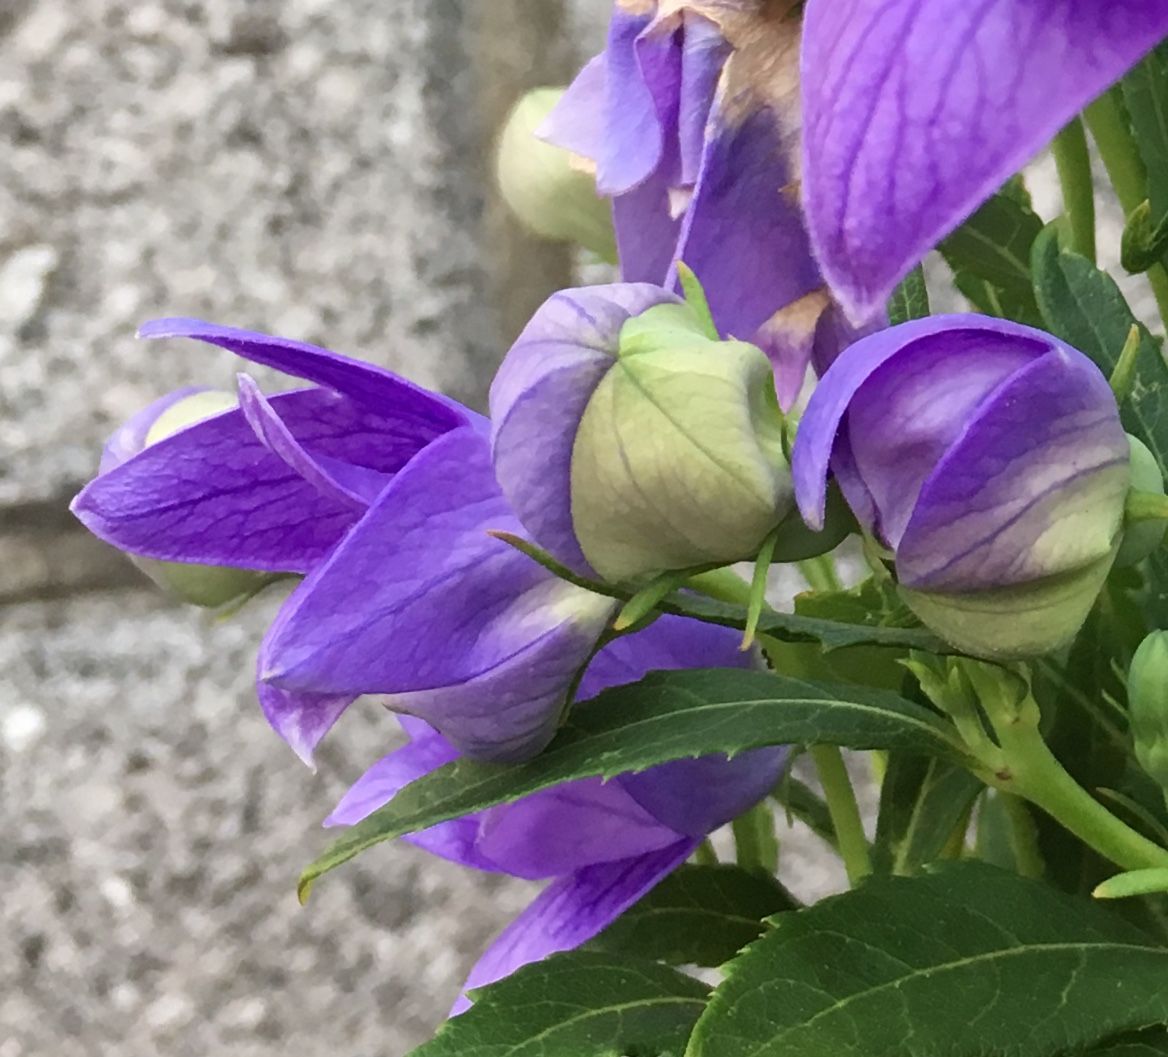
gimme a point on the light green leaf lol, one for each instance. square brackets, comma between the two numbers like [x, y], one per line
[964, 961]
[1133, 883]
[910, 300]
[699, 915]
[667, 716]
[580, 1004]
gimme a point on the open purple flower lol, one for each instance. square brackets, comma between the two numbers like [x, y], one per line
[602, 845]
[691, 116]
[381, 494]
[915, 111]
[990, 459]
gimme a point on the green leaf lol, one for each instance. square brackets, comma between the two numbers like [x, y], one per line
[667, 716]
[1133, 883]
[990, 257]
[1151, 1043]
[1144, 242]
[1084, 306]
[1145, 91]
[963, 961]
[580, 1004]
[699, 915]
[804, 804]
[910, 300]
[922, 802]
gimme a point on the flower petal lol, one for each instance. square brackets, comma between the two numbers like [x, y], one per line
[301, 719]
[576, 123]
[417, 410]
[915, 111]
[539, 395]
[130, 438]
[571, 911]
[418, 602]
[214, 494]
[1019, 495]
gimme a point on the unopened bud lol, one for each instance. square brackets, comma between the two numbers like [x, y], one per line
[1147, 699]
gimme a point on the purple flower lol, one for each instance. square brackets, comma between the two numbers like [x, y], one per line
[382, 495]
[602, 845]
[990, 459]
[691, 116]
[915, 111]
[629, 442]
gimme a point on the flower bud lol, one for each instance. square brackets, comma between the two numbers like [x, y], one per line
[549, 189]
[210, 586]
[989, 458]
[631, 442]
[1147, 699]
[1141, 538]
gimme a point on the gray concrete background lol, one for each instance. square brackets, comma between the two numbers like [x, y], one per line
[315, 168]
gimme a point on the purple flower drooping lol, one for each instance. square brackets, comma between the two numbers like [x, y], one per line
[382, 495]
[691, 116]
[602, 845]
[915, 111]
[989, 457]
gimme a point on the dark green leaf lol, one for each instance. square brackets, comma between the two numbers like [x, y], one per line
[1151, 1043]
[699, 915]
[910, 300]
[1007, 835]
[792, 627]
[964, 961]
[667, 716]
[1145, 91]
[1144, 243]
[922, 802]
[581, 1004]
[990, 257]
[803, 803]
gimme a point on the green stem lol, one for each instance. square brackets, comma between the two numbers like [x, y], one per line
[1074, 169]
[1032, 772]
[844, 811]
[724, 585]
[755, 843]
[1126, 171]
[1023, 836]
[1146, 506]
[705, 855]
[820, 573]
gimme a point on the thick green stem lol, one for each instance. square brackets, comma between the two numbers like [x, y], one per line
[1031, 771]
[844, 811]
[1126, 171]
[1074, 170]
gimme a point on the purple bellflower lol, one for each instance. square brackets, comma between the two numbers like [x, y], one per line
[602, 845]
[691, 117]
[630, 442]
[916, 111]
[990, 459]
[381, 495]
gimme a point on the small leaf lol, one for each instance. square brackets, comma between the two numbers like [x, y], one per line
[910, 300]
[580, 1004]
[963, 961]
[667, 716]
[1133, 883]
[699, 915]
[922, 802]
[1144, 242]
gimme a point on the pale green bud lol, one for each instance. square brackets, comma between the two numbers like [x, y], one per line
[678, 460]
[1147, 700]
[550, 190]
[1141, 538]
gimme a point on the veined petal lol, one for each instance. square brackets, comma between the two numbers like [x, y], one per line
[704, 53]
[1023, 493]
[915, 111]
[214, 494]
[646, 230]
[130, 437]
[417, 410]
[419, 603]
[301, 719]
[571, 911]
[576, 123]
[539, 395]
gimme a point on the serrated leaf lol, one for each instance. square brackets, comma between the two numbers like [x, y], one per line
[910, 299]
[667, 716]
[994, 245]
[580, 1004]
[699, 915]
[922, 801]
[1084, 306]
[964, 961]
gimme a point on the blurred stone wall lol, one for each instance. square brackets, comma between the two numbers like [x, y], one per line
[314, 168]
